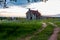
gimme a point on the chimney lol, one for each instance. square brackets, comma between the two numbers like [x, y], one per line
[29, 8]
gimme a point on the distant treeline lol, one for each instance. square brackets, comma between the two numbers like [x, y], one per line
[11, 18]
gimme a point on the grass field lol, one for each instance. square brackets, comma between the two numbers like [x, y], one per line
[45, 34]
[58, 36]
[57, 23]
[11, 30]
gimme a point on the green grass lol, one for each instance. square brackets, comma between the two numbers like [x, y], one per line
[45, 34]
[57, 23]
[12, 30]
[51, 20]
[58, 38]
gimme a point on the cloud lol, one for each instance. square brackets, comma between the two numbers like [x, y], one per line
[51, 7]
[13, 11]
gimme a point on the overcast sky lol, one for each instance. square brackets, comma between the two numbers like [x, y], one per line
[51, 7]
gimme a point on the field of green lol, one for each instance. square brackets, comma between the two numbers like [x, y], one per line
[16, 29]
[45, 34]
[58, 36]
[57, 23]
[10, 30]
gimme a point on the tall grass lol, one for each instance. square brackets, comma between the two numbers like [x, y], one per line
[58, 38]
[13, 29]
[57, 23]
[45, 34]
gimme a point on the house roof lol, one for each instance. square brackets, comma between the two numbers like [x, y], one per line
[34, 12]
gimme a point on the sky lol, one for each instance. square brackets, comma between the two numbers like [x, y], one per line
[51, 7]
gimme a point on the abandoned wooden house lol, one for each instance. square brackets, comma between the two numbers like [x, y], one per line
[33, 14]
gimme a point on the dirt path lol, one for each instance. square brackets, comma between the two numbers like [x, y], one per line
[29, 37]
[55, 32]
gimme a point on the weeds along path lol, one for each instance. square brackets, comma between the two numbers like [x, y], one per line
[44, 25]
[55, 32]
